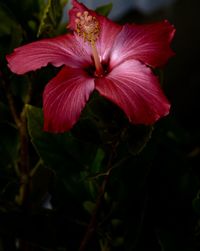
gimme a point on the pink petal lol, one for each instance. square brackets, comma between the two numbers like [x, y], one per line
[108, 29]
[108, 33]
[66, 49]
[64, 98]
[134, 88]
[148, 43]
[77, 7]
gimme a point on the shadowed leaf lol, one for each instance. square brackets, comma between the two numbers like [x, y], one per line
[51, 17]
[105, 9]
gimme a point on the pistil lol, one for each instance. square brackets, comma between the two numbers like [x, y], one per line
[87, 27]
[97, 62]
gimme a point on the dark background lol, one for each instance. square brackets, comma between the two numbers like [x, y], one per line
[152, 199]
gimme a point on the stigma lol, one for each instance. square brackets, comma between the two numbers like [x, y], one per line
[88, 28]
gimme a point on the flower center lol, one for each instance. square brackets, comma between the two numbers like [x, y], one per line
[88, 28]
[91, 70]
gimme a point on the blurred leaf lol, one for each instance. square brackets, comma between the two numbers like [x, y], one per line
[86, 129]
[136, 137]
[10, 31]
[196, 203]
[27, 15]
[171, 240]
[4, 112]
[9, 148]
[20, 87]
[4, 22]
[65, 154]
[118, 242]
[89, 206]
[116, 222]
[97, 162]
[41, 180]
[108, 118]
[60, 151]
[19, 7]
[51, 17]
[8, 145]
[105, 9]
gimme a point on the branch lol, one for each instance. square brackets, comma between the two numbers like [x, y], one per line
[93, 220]
[21, 124]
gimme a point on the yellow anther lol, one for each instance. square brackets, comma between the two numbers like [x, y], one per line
[87, 27]
[85, 13]
[78, 14]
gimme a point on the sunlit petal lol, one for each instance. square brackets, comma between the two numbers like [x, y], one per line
[148, 43]
[64, 98]
[134, 88]
[62, 50]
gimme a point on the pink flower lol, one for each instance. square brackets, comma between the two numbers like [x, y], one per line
[100, 55]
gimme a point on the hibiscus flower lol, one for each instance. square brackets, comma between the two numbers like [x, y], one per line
[101, 55]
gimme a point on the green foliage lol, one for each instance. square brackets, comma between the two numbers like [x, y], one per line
[51, 17]
[57, 150]
[97, 162]
[9, 145]
[68, 156]
[10, 30]
[144, 179]
[105, 9]
[89, 206]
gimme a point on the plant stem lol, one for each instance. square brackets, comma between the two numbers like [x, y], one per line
[24, 163]
[20, 121]
[93, 220]
[23, 167]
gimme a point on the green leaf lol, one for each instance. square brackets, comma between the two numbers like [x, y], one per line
[97, 162]
[172, 240]
[89, 206]
[65, 154]
[4, 21]
[42, 179]
[119, 241]
[59, 151]
[10, 31]
[105, 9]
[116, 222]
[196, 203]
[135, 138]
[8, 145]
[20, 87]
[51, 17]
